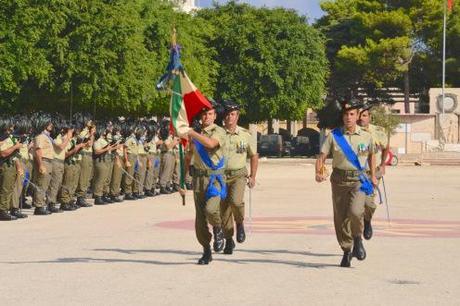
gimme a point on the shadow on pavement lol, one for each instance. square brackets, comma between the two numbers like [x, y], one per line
[306, 253]
[71, 260]
[299, 264]
[167, 251]
[190, 261]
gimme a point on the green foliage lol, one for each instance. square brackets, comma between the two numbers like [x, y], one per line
[372, 44]
[369, 44]
[107, 54]
[381, 117]
[270, 60]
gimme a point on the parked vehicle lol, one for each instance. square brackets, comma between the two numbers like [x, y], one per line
[287, 149]
[392, 159]
[303, 146]
[271, 145]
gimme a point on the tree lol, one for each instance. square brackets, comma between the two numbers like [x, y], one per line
[369, 44]
[374, 44]
[270, 60]
[98, 54]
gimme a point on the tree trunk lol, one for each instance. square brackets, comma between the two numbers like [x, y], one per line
[406, 93]
[270, 126]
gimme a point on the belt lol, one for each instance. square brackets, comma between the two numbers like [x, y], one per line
[57, 160]
[346, 173]
[86, 153]
[206, 172]
[47, 159]
[100, 158]
[70, 161]
[235, 172]
[143, 155]
[9, 162]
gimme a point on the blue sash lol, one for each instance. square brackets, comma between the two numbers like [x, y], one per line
[212, 191]
[156, 164]
[26, 179]
[366, 184]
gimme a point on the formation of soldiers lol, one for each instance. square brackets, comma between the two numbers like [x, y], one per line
[358, 150]
[61, 163]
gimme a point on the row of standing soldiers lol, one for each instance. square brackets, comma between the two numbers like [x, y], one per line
[59, 163]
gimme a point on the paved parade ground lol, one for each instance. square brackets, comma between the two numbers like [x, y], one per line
[145, 252]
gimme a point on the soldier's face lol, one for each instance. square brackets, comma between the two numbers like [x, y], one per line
[365, 118]
[231, 118]
[350, 118]
[208, 117]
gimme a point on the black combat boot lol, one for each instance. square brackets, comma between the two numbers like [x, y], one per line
[229, 246]
[346, 259]
[107, 199]
[358, 248]
[116, 199]
[140, 196]
[41, 211]
[67, 207]
[130, 197]
[18, 214]
[207, 256]
[99, 201]
[164, 190]
[240, 234]
[367, 233]
[81, 202]
[53, 209]
[6, 216]
[149, 193]
[218, 244]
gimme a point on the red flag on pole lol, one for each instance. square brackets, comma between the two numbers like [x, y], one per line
[450, 5]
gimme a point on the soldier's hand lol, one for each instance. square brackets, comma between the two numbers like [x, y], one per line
[320, 178]
[42, 169]
[128, 164]
[382, 169]
[20, 172]
[251, 182]
[375, 182]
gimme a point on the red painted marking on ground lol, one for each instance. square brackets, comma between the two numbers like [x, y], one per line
[315, 225]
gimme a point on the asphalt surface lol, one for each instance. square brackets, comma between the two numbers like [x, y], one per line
[144, 252]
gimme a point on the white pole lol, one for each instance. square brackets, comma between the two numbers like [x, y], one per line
[444, 55]
[441, 117]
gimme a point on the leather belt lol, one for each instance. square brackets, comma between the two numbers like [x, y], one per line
[346, 173]
[235, 172]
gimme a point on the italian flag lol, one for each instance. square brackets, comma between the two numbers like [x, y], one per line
[186, 102]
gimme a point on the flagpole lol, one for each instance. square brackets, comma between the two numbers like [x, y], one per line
[443, 90]
[444, 55]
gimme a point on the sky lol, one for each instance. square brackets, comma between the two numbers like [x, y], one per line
[305, 7]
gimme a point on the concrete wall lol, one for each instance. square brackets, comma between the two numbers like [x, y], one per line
[420, 131]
